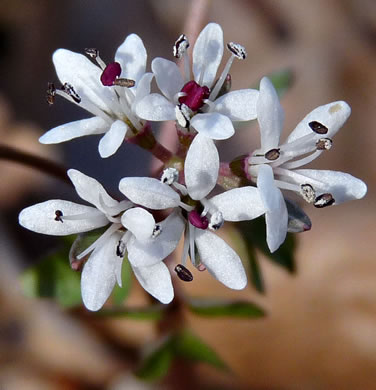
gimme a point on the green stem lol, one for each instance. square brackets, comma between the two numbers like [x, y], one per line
[42, 164]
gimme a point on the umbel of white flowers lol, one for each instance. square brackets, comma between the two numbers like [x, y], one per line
[118, 95]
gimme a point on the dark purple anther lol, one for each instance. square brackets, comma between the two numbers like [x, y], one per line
[111, 72]
[195, 95]
[196, 220]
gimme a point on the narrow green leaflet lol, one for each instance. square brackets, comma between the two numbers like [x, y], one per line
[256, 277]
[148, 313]
[53, 278]
[157, 363]
[222, 308]
[190, 347]
[120, 294]
[255, 232]
[183, 345]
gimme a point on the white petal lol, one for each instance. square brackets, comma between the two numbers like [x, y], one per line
[90, 190]
[142, 89]
[40, 218]
[220, 260]
[167, 76]
[131, 55]
[270, 115]
[84, 76]
[113, 139]
[238, 105]
[342, 186]
[268, 191]
[140, 222]
[332, 115]
[207, 54]
[239, 204]
[149, 192]
[213, 125]
[98, 277]
[156, 280]
[155, 107]
[75, 129]
[152, 251]
[201, 167]
[276, 223]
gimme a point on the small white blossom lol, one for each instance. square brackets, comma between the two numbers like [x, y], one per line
[274, 165]
[112, 104]
[195, 102]
[201, 173]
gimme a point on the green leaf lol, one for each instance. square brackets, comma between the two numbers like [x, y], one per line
[190, 347]
[120, 294]
[257, 279]
[53, 278]
[282, 80]
[218, 308]
[149, 313]
[157, 363]
[255, 232]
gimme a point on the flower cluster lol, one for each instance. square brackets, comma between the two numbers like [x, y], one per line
[147, 225]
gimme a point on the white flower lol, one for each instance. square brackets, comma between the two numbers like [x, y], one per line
[99, 90]
[195, 102]
[274, 166]
[60, 217]
[202, 213]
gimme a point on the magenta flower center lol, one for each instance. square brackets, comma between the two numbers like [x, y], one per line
[195, 95]
[110, 73]
[196, 220]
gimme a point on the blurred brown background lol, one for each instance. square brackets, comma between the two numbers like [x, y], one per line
[321, 329]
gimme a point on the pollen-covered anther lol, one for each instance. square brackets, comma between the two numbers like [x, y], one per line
[156, 231]
[197, 220]
[238, 50]
[169, 176]
[180, 47]
[70, 91]
[318, 127]
[111, 72]
[92, 52]
[128, 83]
[324, 144]
[216, 221]
[183, 115]
[58, 216]
[272, 154]
[308, 193]
[324, 200]
[51, 93]
[183, 273]
[120, 248]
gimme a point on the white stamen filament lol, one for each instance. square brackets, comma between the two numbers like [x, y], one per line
[287, 186]
[185, 248]
[303, 161]
[186, 207]
[222, 78]
[183, 190]
[210, 105]
[91, 215]
[177, 96]
[192, 231]
[100, 62]
[112, 229]
[187, 67]
[298, 178]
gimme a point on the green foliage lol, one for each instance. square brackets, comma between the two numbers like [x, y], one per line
[221, 308]
[148, 313]
[53, 278]
[182, 344]
[254, 234]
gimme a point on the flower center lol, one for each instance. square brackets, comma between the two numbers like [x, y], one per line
[195, 95]
[197, 221]
[110, 73]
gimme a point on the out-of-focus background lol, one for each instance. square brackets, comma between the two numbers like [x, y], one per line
[320, 332]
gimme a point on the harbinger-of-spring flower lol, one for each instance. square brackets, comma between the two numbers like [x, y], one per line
[196, 102]
[131, 229]
[109, 92]
[274, 165]
[203, 215]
